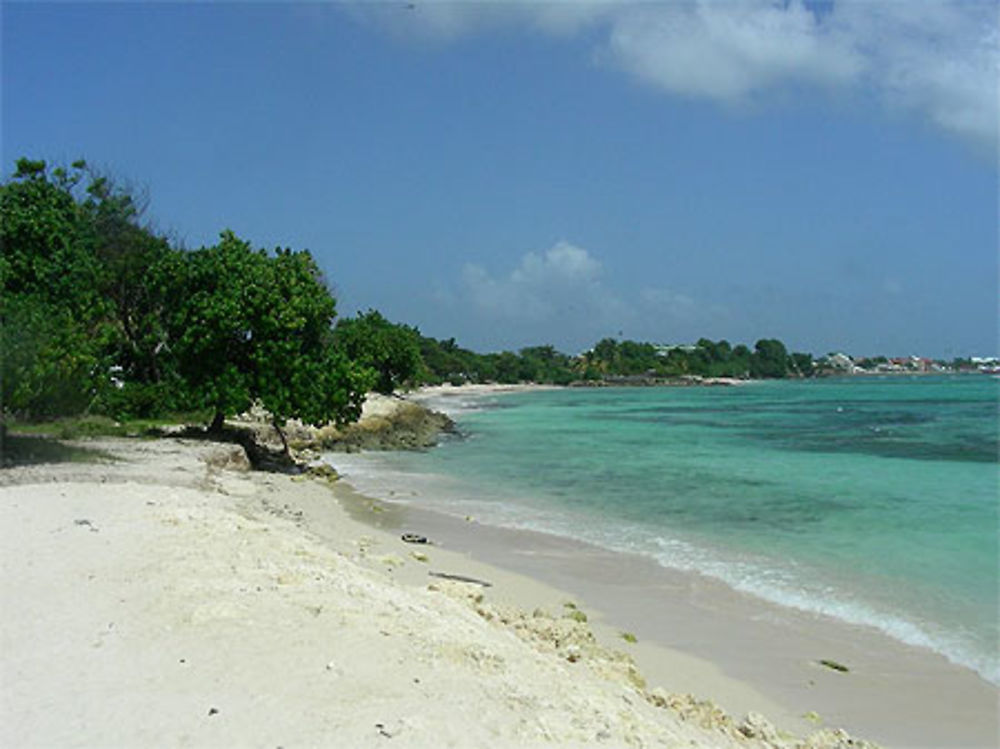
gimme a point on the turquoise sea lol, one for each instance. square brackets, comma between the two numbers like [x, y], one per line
[873, 500]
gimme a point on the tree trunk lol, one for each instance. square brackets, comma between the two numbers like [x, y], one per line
[281, 434]
[217, 422]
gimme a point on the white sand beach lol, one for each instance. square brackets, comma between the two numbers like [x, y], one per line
[170, 597]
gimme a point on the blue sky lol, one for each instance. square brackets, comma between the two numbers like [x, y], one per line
[523, 173]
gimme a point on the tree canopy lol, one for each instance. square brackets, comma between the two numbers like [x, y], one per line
[52, 317]
[251, 326]
[390, 351]
[100, 313]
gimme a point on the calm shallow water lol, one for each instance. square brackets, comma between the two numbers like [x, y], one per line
[870, 500]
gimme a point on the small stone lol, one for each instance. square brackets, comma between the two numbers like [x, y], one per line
[213, 711]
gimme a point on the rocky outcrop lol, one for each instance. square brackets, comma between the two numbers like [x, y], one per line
[397, 425]
[386, 423]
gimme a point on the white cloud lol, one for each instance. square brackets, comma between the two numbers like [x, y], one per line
[940, 58]
[563, 281]
[674, 305]
[560, 296]
[562, 263]
[729, 51]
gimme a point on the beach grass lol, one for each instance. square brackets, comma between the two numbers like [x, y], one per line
[33, 449]
[26, 443]
[79, 427]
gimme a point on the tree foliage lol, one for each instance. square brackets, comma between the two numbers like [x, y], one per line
[135, 264]
[52, 318]
[613, 361]
[47, 359]
[257, 327]
[390, 351]
[47, 252]
[99, 312]
[769, 359]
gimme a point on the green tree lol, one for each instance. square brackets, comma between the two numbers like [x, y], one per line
[254, 327]
[507, 366]
[769, 359]
[52, 317]
[604, 356]
[135, 267]
[389, 350]
[47, 251]
[546, 364]
[48, 360]
[801, 364]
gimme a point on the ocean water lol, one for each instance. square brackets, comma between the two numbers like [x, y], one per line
[872, 500]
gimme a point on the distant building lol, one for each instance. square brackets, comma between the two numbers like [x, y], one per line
[840, 362]
[914, 364]
[988, 364]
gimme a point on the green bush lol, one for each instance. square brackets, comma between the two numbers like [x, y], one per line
[138, 400]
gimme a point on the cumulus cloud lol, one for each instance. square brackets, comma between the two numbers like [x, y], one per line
[561, 296]
[939, 58]
[565, 280]
[728, 51]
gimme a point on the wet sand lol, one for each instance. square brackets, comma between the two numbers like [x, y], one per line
[748, 654]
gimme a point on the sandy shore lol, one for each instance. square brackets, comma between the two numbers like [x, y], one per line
[698, 635]
[164, 599]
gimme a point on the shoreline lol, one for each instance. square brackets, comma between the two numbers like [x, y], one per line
[171, 597]
[150, 591]
[746, 653]
[891, 694]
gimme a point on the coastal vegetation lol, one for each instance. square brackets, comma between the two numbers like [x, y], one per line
[100, 314]
[614, 362]
[103, 316]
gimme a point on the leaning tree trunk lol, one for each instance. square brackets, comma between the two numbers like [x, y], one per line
[217, 422]
[281, 434]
